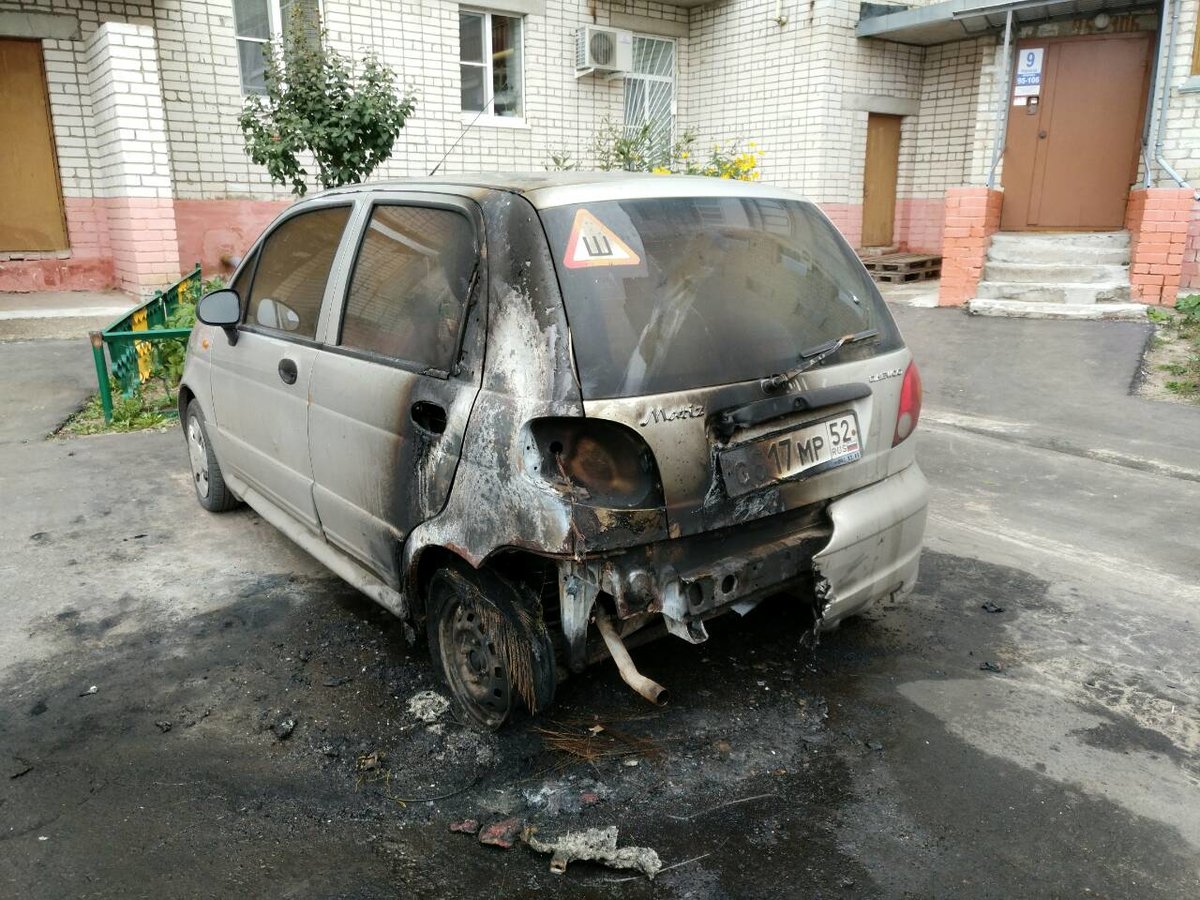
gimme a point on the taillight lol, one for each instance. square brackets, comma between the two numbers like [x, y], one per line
[600, 462]
[910, 404]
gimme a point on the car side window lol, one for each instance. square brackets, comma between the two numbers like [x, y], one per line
[410, 284]
[241, 283]
[293, 266]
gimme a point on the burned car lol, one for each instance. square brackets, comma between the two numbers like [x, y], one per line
[538, 416]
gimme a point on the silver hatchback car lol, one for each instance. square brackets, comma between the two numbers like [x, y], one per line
[537, 415]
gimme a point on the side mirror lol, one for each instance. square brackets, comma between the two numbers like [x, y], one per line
[277, 315]
[222, 309]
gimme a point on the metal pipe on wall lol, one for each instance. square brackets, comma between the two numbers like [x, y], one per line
[1002, 118]
[1165, 98]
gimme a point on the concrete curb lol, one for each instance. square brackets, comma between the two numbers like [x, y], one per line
[1025, 309]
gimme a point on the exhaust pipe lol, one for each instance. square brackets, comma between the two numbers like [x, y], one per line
[651, 690]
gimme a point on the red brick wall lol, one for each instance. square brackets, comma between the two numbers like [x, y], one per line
[1189, 279]
[919, 224]
[972, 217]
[1158, 220]
[211, 229]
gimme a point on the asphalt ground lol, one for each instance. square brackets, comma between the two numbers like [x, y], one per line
[1025, 724]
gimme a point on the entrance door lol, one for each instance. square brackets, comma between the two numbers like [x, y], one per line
[33, 210]
[879, 179]
[1071, 154]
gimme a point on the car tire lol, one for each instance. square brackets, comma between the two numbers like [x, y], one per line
[211, 490]
[489, 645]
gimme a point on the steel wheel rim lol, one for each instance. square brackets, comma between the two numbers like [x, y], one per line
[198, 453]
[475, 670]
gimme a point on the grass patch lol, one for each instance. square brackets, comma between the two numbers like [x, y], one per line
[1172, 367]
[151, 407]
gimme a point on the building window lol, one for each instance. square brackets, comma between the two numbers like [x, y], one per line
[490, 62]
[256, 23]
[650, 95]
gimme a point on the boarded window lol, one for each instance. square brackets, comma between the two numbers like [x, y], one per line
[410, 285]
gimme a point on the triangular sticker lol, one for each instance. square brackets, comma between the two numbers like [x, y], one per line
[592, 243]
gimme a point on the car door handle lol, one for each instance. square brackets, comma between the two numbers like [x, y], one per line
[287, 371]
[428, 416]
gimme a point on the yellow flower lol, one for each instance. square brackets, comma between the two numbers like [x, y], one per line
[661, 170]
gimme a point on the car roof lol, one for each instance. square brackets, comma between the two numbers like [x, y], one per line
[549, 189]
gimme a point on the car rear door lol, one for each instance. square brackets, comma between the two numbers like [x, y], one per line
[393, 387]
[260, 384]
[682, 308]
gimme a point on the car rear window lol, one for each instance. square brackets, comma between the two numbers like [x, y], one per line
[671, 294]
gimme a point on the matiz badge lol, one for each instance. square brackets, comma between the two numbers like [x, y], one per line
[883, 376]
[657, 414]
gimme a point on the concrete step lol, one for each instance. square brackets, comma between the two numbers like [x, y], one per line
[1017, 309]
[1094, 239]
[1065, 292]
[1053, 273]
[1060, 254]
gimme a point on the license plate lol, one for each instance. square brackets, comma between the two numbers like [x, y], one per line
[822, 445]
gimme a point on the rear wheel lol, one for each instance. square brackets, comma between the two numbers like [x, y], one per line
[211, 489]
[490, 645]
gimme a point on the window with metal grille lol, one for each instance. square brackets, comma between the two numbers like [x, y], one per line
[650, 95]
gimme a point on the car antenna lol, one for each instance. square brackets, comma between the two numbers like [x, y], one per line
[461, 135]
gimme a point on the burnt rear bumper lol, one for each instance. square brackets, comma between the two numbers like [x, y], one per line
[876, 545]
[844, 555]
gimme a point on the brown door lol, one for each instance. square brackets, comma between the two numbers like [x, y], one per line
[32, 217]
[879, 179]
[1071, 156]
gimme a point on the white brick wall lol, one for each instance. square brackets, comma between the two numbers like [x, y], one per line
[128, 140]
[739, 75]
[1181, 144]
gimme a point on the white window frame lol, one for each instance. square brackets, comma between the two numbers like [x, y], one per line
[673, 79]
[487, 116]
[275, 26]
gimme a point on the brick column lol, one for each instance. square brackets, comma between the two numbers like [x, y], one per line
[131, 160]
[1158, 221]
[972, 217]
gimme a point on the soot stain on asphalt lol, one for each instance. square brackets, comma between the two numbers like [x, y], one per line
[176, 760]
[1122, 734]
[787, 770]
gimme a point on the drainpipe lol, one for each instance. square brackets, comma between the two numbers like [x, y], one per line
[1164, 100]
[1002, 123]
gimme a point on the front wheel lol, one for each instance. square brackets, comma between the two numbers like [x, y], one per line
[211, 490]
[490, 645]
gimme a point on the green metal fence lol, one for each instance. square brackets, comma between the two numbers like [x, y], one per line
[132, 338]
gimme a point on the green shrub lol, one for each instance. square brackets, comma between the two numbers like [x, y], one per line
[346, 113]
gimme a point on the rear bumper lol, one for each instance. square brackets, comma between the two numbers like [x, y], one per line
[851, 552]
[875, 549]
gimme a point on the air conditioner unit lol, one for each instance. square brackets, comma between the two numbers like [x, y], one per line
[602, 50]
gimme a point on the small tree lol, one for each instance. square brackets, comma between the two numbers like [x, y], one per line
[318, 101]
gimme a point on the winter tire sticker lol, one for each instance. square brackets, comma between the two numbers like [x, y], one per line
[592, 243]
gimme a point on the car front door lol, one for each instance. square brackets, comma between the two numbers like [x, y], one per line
[260, 383]
[393, 387]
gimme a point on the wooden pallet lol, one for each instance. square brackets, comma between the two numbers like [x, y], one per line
[895, 268]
